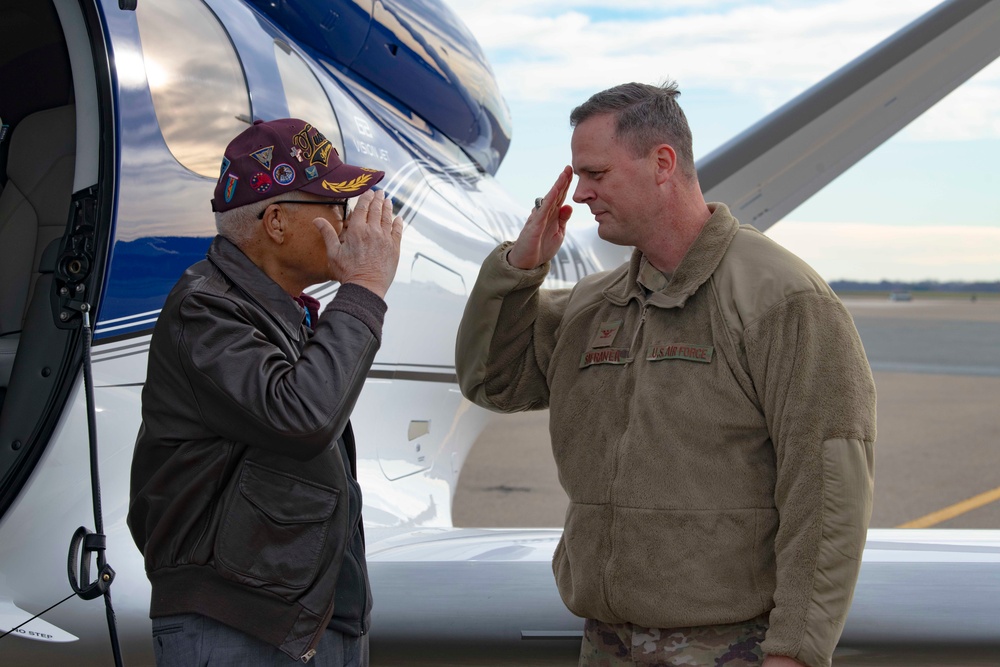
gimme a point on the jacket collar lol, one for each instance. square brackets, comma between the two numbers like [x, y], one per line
[697, 266]
[257, 285]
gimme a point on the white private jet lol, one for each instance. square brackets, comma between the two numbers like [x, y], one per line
[115, 119]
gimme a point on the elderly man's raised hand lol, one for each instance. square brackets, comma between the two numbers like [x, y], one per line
[543, 233]
[367, 251]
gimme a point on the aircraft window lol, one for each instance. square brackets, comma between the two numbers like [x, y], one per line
[305, 96]
[408, 128]
[189, 59]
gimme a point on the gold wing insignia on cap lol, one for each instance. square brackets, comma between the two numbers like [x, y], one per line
[348, 186]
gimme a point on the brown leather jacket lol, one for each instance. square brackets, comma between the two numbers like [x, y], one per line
[239, 494]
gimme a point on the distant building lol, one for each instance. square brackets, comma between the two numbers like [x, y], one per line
[900, 295]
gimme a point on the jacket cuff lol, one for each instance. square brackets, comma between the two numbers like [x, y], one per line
[362, 303]
[506, 271]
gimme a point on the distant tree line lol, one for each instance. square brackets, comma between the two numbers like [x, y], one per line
[921, 286]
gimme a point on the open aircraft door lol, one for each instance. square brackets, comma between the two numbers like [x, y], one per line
[56, 209]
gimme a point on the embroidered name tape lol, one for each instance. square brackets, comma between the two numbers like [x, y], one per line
[684, 351]
[610, 355]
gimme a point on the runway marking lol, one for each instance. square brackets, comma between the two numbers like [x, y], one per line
[952, 511]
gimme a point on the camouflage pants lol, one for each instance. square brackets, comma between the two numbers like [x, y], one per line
[624, 645]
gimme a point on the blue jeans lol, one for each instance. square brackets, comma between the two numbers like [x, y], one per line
[193, 640]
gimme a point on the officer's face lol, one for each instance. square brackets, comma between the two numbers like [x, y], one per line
[617, 186]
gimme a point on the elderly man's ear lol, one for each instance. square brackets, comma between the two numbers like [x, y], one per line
[274, 224]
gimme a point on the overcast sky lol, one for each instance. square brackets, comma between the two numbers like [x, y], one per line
[925, 205]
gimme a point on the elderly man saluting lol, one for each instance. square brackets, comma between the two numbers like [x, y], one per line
[244, 499]
[711, 408]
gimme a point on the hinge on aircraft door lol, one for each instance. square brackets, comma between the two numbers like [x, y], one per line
[76, 258]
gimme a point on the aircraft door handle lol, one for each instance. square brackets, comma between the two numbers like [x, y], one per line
[90, 542]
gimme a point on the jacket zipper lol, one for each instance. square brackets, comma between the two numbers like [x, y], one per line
[635, 336]
[311, 653]
[364, 571]
[364, 594]
[350, 552]
[614, 463]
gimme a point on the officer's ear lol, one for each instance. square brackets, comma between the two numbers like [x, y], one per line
[665, 160]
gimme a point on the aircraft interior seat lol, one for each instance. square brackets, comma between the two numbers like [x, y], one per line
[34, 209]
[36, 351]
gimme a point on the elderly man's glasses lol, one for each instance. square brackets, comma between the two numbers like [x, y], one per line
[338, 203]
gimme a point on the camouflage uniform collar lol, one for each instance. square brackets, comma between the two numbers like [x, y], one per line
[650, 277]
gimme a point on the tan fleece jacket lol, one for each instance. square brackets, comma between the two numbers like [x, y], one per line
[714, 438]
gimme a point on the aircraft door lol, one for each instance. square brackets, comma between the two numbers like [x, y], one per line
[54, 215]
[426, 302]
[435, 296]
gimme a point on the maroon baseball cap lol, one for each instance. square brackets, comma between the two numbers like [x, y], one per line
[277, 156]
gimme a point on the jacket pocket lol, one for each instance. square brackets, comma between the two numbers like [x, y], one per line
[275, 529]
[579, 559]
[688, 567]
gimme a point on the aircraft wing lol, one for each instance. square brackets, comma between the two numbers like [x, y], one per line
[924, 597]
[790, 155]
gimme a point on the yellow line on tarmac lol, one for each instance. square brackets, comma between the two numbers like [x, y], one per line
[952, 511]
